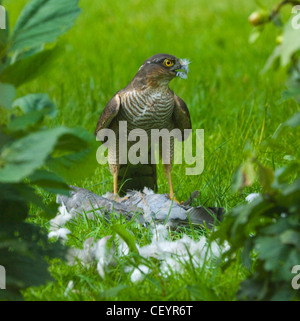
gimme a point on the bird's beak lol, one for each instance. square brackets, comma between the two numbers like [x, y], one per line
[183, 70]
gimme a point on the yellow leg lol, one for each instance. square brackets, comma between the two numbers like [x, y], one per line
[168, 174]
[115, 183]
[171, 194]
[168, 168]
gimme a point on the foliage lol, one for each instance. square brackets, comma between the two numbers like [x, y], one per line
[28, 149]
[267, 229]
[225, 93]
[287, 49]
[265, 233]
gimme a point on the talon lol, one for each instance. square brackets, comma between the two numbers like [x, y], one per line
[174, 198]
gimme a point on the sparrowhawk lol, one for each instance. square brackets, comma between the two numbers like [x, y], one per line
[148, 103]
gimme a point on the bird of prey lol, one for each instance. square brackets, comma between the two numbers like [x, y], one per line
[147, 103]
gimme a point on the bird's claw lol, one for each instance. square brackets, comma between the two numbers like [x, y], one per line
[172, 197]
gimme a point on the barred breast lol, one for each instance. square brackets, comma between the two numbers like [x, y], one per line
[147, 109]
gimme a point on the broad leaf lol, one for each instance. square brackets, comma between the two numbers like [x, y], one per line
[29, 68]
[42, 21]
[25, 122]
[79, 164]
[24, 156]
[265, 177]
[35, 107]
[36, 102]
[7, 95]
[50, 182]
[127, 237]
[23, 248]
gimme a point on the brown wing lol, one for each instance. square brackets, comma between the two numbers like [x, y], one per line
[109, 113]
[181, 115]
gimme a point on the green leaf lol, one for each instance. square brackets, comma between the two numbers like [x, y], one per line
[24, 156]
[35, 107]
[252, 289]
[284, 174]
[274, 229]
[23, 248]
[7, 95]
[126, 236]
[291, 92]
[25, 122]
[36, 102]
[13, 206]
[19, 55]
[290, 237]
[29, 68]
[265, 177]
[271, 251]
[293, 122]
[237, 179]
[50, 182]
[42, 21]
[79, 164]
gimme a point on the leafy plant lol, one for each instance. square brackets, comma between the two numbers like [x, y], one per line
[287, 48]
[31, 155]
[265, 233]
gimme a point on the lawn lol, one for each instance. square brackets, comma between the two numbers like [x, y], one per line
[227, 96]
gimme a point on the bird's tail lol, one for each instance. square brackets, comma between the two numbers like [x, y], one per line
[136, 177]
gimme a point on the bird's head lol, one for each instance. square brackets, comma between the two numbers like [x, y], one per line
[160, 69]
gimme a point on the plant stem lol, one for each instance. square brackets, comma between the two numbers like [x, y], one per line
[280, 5]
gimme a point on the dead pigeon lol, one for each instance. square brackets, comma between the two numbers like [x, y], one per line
[144, 207]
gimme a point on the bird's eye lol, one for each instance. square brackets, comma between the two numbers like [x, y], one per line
[168, 62]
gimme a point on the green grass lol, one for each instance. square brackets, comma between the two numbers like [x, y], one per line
[225, 92]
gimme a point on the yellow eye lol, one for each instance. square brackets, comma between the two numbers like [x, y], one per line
[168, 62]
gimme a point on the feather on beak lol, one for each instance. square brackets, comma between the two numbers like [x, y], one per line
[184, 67]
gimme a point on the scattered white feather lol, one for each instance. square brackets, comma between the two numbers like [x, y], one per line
[104, 254]
[123, 248]
[95, 251]
[57, 223]
[160, 233]
[61, 219]
[148, 191]
[175, 254]
[185, 64]
[139, 273]
[86, 255]
[60, 233]
[69, 288]
[181, 74]
[185, 67]
[251, 197]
